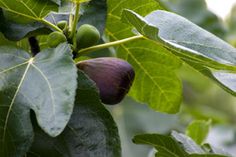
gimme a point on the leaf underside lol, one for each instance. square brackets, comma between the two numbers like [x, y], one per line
[197, 47]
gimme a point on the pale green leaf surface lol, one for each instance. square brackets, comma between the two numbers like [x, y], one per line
[156, 83]
[198, 130]
[45, 83]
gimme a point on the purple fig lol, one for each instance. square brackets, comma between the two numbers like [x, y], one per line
[112, 76]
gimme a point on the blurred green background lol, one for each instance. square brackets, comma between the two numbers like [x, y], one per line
[202, 99]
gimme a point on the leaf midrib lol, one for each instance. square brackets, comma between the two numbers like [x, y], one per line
[11, 68]
[30, 63]
[14, 97]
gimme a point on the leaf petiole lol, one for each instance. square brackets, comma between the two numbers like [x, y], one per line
[75, 20]
[51, 25]
[110, 44]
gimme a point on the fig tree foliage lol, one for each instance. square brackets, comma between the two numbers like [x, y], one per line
[52, 92]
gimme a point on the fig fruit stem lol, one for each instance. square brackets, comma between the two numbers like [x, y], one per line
[110, 44]
[51, 25]
[75, 20]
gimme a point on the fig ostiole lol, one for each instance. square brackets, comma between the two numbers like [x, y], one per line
[112, 76]
[55, 38]
[86, 36]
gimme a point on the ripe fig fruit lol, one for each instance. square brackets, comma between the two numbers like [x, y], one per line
[86, 36]
[112, 76]
[62, 24]
[55, 38]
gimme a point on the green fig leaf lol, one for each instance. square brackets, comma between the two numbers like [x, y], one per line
[15, 31]
[4, 41]
[199, 48]
[45, 84]
[190, 10]
[176, 145]
[225, 79]
[21, 18]
[95, 13]
[155, 83]
[161, 142]
[58, 2]
[34, 10]
[91, 130]
[192, 43]
[198, 130]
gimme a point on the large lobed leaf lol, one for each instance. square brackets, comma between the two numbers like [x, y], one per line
[45, 84]
[30, 9]
[192, 44]
[91, 132]
[190, 10]
[16, 31]
[156, 83]
[161, 142]
[20, 18]
[93, 13]
[4, 41]
[176, 145]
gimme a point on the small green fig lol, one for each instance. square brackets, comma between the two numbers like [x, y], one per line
[55, 38]
[62, 24]
[86, 36]
[112, 76]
